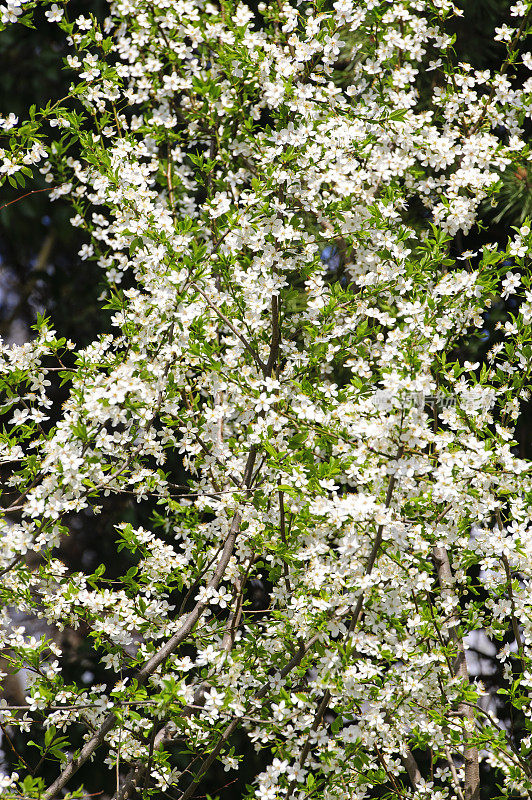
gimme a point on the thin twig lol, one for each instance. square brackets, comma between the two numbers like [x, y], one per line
[259, 362]
[163, 653]
[352, 625]
[471, 756]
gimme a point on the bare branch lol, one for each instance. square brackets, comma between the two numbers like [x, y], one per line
[470, 753]
[161, 655]
[261, 365]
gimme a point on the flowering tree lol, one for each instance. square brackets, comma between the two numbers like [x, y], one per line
[285, 327]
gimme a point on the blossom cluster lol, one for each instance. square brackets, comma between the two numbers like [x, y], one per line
[219, 157]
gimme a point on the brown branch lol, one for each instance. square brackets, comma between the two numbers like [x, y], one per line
[169, 178]
[504, 69]
[276, 337]
[234, 617]
[259, 362]
[456, 781]
[35, 191]
[263, 691]
[140, 771]
[471, 757]
[391, 778]
[134, 777]
[410, 764]
[370, 563]
[515, 625]
[165, 651]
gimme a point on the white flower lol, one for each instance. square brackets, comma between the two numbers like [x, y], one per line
[55, 13]
[527, 60]
[219, 205]
[8, 122]
[510, 283]
[11, 12]
[504, 33]
[276, 681]
[296, 773]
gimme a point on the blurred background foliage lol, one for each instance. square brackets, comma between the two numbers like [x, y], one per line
[40, 272]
